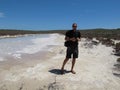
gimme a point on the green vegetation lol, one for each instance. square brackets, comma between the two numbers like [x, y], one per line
[106, 41]
[102, 33]
[117, 47]
[118, 60]
[90, 33]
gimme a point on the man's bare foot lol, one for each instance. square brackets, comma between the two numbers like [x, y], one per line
[62, 71]
[73, 72]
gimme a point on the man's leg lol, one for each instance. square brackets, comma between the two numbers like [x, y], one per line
[68, 55]
[73, 64]
[75, 55]
[64, 62]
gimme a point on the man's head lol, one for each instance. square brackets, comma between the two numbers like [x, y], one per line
[74, 26]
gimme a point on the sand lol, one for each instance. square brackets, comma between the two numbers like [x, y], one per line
[94, 70]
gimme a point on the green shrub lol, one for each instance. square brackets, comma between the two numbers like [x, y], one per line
[118, 60]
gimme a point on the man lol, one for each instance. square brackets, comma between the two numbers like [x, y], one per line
[72, 37]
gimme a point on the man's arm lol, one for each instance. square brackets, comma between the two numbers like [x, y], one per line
[67, 38]
[79, 36]
[70, 39]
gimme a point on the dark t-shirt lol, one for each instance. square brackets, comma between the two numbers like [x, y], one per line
[72, 34]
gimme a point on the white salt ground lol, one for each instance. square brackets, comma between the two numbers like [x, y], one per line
[94, 70]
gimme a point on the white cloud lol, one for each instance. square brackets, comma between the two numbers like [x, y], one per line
[1, 14]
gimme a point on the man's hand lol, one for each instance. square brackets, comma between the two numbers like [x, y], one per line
[78, 39]
[73, 39]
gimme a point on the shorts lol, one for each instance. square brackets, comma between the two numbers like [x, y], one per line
[72, 52]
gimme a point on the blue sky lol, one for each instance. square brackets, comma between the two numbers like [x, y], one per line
[59, 14]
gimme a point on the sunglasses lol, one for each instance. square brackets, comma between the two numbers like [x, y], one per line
[74, 26]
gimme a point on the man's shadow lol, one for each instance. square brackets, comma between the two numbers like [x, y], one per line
[58, 71]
